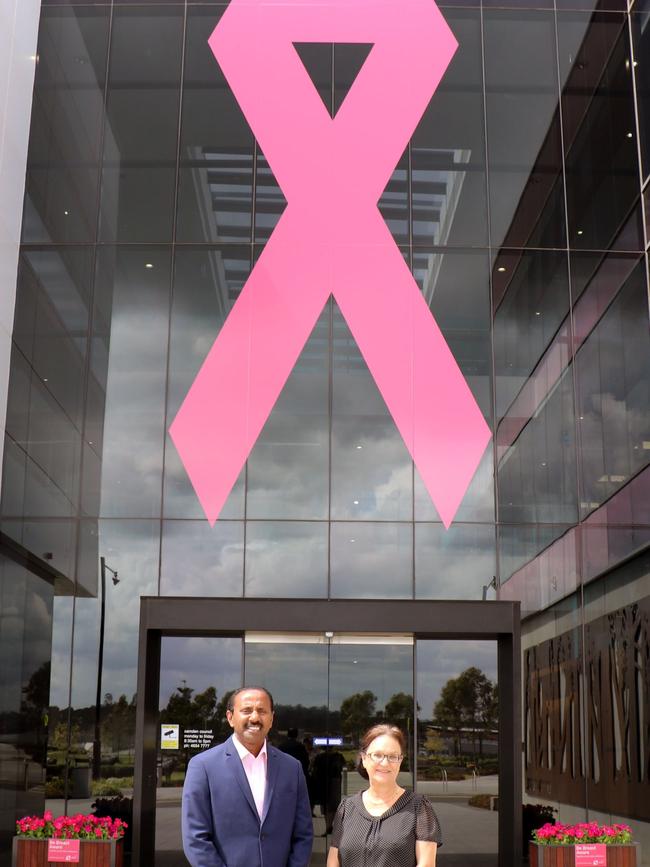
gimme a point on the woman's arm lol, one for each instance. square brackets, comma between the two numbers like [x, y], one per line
[425, 854]
[333, 857]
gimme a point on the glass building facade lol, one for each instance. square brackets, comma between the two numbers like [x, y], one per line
[522, 207]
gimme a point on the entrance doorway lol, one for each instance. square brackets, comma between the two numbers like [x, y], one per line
[329, 685]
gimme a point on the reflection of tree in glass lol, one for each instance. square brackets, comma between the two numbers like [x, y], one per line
[357, 713]
[118, 721]
[467, 702]
[200, 711]
[399, 710]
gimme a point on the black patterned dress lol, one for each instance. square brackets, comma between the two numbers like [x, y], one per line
[388, 840]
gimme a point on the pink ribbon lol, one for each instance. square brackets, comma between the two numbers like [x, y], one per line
[331, 239]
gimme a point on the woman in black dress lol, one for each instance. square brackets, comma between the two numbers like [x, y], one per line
[386, 825]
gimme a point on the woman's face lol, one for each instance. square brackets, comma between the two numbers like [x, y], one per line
[382, 771]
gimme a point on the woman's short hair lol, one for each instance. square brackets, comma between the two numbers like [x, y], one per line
[377, 731]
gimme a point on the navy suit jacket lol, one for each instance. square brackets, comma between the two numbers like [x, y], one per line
[221, 826]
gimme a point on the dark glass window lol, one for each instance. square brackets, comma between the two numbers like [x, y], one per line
[536, 474]
[599, 129]
[215, 184]
[531, 296]
[140, 139]
[613, 372]
[524, 145]
[641, 35]
[448, 148]
[66, 128]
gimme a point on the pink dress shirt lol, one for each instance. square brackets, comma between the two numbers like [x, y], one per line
[255, 770]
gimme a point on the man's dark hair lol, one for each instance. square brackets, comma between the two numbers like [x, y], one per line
[235, 693]
[292, 733]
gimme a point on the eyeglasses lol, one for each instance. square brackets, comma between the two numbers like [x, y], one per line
[378, 758]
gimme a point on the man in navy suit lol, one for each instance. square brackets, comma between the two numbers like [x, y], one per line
[245, 804]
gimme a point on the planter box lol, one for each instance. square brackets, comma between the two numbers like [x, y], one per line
[628, 855]
[28, 852]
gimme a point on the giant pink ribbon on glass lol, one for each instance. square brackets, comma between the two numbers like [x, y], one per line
[331, 239]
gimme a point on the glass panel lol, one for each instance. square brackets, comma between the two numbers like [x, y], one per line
[140, 140]
[641, 38]
[297, 676]
[216, 149]
[331, 693]
[458, 762]
[288, 468]
[599, 129]
[197, 677]
[66, 126]
[207, 282]
[456, 286]
[537, 481]
[286, 558]
[103, 697]
[613, 373]
[372, 471]
[524, 146]
[132, 316]
[200, 560]
[531, 297]
[25, 648]
[458, 563]
[448, 148]
[371, 560]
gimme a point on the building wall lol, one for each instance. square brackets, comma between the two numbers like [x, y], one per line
[518, 207]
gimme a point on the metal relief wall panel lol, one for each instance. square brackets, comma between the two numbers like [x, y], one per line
[608, 768]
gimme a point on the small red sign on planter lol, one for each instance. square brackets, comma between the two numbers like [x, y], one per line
[591, 855]
[63, 851]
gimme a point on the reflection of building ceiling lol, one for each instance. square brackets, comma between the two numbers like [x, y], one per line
[436, 188]
[222, 182]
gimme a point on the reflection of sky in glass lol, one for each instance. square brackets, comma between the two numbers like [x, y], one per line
[131, 549]
[286, 558]
[439, 661]
[455, 563]
[200, 560]
[199, 663]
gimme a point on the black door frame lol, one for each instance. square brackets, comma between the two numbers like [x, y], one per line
[197, 616]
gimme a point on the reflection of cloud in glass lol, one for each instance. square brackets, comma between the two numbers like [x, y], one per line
[131, 548]
[371, 560]
[286, 558]
[199, 663]
[200, 560]
[454, 563]
[135, 389]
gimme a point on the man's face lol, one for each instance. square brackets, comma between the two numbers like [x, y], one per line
[251, 718]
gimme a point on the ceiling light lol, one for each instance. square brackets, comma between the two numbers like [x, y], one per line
[629, 135]
[149, 265]
[66, 213]
[501, 269]
[580, 231]
[359, 447]
[353, 540]
[538, 313]
[356, 502]
[635, 63]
